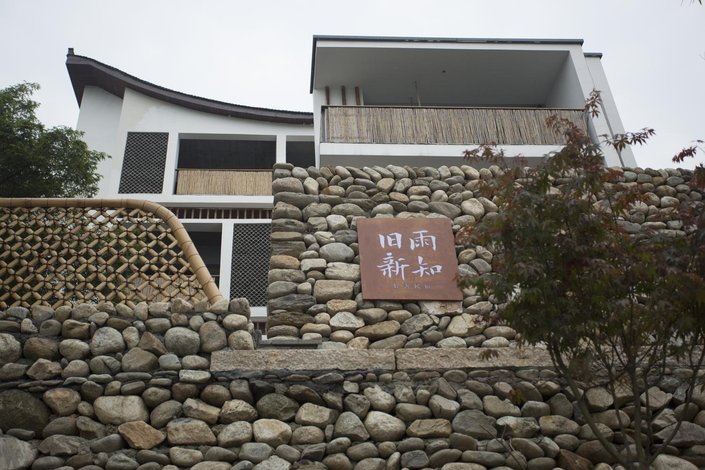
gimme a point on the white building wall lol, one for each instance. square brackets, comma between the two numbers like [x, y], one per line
[319, 99]
[609, 108]
[99, 119]
[145, 114]
[566, 91]
[598, 126]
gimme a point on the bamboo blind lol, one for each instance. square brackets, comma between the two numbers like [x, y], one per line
[435, 125]
[225, 182]
[62, 251]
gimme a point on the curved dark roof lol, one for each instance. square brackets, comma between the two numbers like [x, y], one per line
[85, 71]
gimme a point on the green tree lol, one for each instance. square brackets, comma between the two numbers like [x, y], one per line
[40, 162]
[613, 309]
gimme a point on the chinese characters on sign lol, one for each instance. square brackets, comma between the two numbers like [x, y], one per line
[412, 259]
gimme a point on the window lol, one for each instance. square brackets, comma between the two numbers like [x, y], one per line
[143, 165]
[224, 154]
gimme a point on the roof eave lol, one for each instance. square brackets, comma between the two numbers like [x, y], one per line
[85, 71]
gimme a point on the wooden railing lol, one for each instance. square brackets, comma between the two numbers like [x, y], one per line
[443, 125]
[62, 251]
[224, 182]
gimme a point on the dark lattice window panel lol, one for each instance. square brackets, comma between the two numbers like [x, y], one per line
[143, 165]
[250, 264]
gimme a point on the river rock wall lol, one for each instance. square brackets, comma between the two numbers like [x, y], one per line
[314, 278]
[121, 395]
[67, 374]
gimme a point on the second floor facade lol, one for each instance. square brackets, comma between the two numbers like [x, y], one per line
[423, 101]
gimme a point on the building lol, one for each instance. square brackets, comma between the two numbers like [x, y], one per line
[376, 101]
[421, 101]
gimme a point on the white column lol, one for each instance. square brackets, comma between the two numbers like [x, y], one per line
[281, 148]
[226, 257]
[600, 127]
[317, 123]
[170, 164]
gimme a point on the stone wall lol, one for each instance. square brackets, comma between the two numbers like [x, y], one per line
[314, 279]
[66, 375]
[104, 387]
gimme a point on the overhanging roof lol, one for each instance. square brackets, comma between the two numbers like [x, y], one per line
[431, 40]
[85, 71]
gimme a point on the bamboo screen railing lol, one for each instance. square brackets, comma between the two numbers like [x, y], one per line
[436, 125]
[225, 182]
[62, 251]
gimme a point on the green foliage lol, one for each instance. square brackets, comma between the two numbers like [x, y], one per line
[40, 162]
[613, 309]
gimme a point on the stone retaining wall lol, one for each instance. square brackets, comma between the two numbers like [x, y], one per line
[66, 374]
[316, 255]
[106, 387]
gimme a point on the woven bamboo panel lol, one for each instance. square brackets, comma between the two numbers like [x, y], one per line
[63, 255]
[224, 182]
[419, 125]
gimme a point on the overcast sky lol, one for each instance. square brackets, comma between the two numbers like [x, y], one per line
[259, 53]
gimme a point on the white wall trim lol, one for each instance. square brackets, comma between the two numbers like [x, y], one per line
[226, 257]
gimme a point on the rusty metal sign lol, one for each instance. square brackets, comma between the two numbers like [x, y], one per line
[408, 259]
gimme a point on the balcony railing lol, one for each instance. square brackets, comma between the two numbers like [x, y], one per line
[224, 182]
[442, 125]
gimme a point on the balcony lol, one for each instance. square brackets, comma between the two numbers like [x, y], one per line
[223, 182]
[443, 125]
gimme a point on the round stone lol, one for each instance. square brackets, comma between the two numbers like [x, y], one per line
[41, 348]
[241, 340]
[212, 337]
[271, 431]
[107, 340]
[553, 425]
[62, 401]
[185, 457]
[140, 435]
[379, 399]
[237, 410]
[384, 427]
[473, 207]
[189, 431]
[307, 435]
[276, 406]
[234, 322]
[21, 410]
[120, 409]
[333, 252]
[16, 454]
[10, 349]
[350, 426]
[315, 415]
[182, 341]
[164, 413]
[139, 360]
[346, 321]
[43, 369]
[381, 330]
[235, 434]
[73, 349]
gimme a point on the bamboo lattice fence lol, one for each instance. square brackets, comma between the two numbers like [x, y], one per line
[62, 251]
[437, 125]
[225, 182]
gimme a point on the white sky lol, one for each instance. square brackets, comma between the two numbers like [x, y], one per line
[259, 53]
